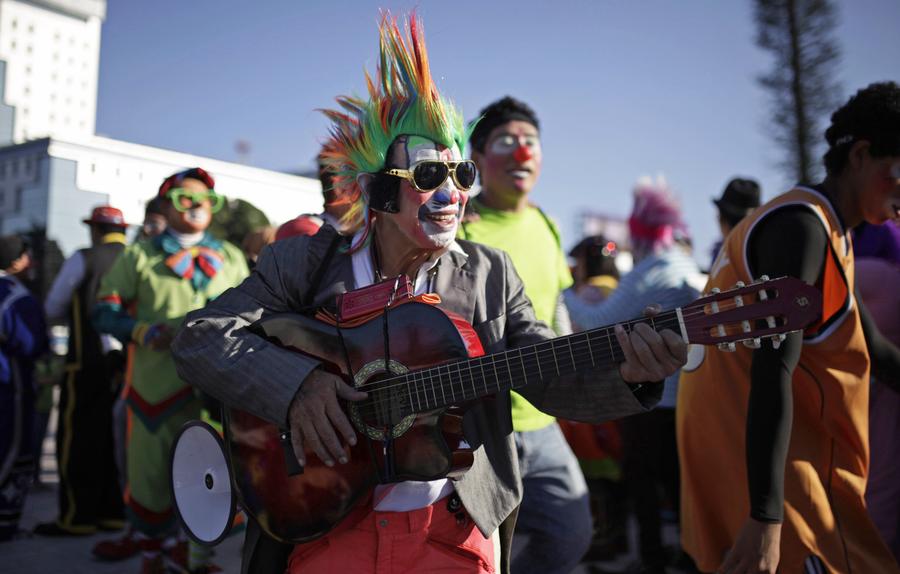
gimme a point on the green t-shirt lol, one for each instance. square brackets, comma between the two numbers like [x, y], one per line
[532, 242]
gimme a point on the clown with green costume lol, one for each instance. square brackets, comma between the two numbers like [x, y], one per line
[142, 300]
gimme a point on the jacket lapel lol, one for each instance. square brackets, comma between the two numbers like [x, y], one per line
[456, 285]
[338, 279]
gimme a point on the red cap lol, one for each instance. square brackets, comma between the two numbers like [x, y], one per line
[175, 179]
[301, 225]
[107, 215]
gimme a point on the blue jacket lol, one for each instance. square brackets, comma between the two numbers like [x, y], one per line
[23, 331]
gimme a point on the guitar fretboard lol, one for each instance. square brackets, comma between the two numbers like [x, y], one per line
[455, 383]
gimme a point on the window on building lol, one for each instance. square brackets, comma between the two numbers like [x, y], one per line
[3, 169]
[2, 196]
[28, 49]
[27, 70]
[15, 167]
[15, 23]
[12, 45]
[31, 28]
[17, 200]
[93, 168]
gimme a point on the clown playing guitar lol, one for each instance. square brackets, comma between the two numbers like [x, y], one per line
[403, 148]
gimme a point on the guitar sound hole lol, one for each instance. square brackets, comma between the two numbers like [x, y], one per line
[387, 403]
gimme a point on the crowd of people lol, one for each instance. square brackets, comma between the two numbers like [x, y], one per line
[779, 457]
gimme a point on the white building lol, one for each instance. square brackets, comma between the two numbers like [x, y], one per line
[52, 51]
[54, 184]
[54, 170]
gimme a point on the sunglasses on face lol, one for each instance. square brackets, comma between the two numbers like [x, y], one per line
[431, 174]
[184, 200]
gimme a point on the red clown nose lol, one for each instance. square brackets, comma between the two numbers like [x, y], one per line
[522, 154]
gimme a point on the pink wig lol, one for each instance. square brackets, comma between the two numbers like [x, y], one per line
[656, 216]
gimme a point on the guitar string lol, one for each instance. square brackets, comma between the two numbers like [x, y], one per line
[504, 375]
[434, 375]
[668, 316]
[401, 378]
[432, 379]
[409, 382]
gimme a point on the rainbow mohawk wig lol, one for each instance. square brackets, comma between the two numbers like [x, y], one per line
[404, 101]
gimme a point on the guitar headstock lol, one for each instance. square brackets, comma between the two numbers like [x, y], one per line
[764, 309]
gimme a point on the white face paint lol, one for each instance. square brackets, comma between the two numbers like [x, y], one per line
[199, 216]
[436, 213]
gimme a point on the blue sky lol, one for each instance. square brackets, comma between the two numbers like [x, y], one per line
[622, 89]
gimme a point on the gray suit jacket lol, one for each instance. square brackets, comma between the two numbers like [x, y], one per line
[215, 353]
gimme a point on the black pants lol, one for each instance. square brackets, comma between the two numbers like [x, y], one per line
[88, 479]
[650, 467]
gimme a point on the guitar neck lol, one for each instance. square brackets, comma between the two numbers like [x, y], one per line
[454, 383]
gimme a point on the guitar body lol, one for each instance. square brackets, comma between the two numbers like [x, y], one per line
[390, 447]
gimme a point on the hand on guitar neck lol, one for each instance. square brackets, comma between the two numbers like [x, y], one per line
[315, 415]
[650, 355]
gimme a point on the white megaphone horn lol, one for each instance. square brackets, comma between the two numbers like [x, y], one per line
[201, 483]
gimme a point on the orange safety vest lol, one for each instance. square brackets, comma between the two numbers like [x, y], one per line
[828, 457]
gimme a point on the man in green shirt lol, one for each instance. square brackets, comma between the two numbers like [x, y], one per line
[555, 513]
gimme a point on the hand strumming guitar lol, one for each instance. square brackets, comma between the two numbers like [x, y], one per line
[650, 356]
[315, 413]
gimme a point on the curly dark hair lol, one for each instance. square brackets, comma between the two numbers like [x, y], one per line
[498, 113]
[872, 114]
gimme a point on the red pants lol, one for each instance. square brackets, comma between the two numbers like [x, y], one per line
[430, 539]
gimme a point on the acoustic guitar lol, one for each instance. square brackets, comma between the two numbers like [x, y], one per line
[419, 384]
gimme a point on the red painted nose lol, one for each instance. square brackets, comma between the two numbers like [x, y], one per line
[522, 154]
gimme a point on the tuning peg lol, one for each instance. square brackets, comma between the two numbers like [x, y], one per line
[739, 284]
[763, 278]
[727, 347]
[715, 290]
[753, 343]
[777, 339]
